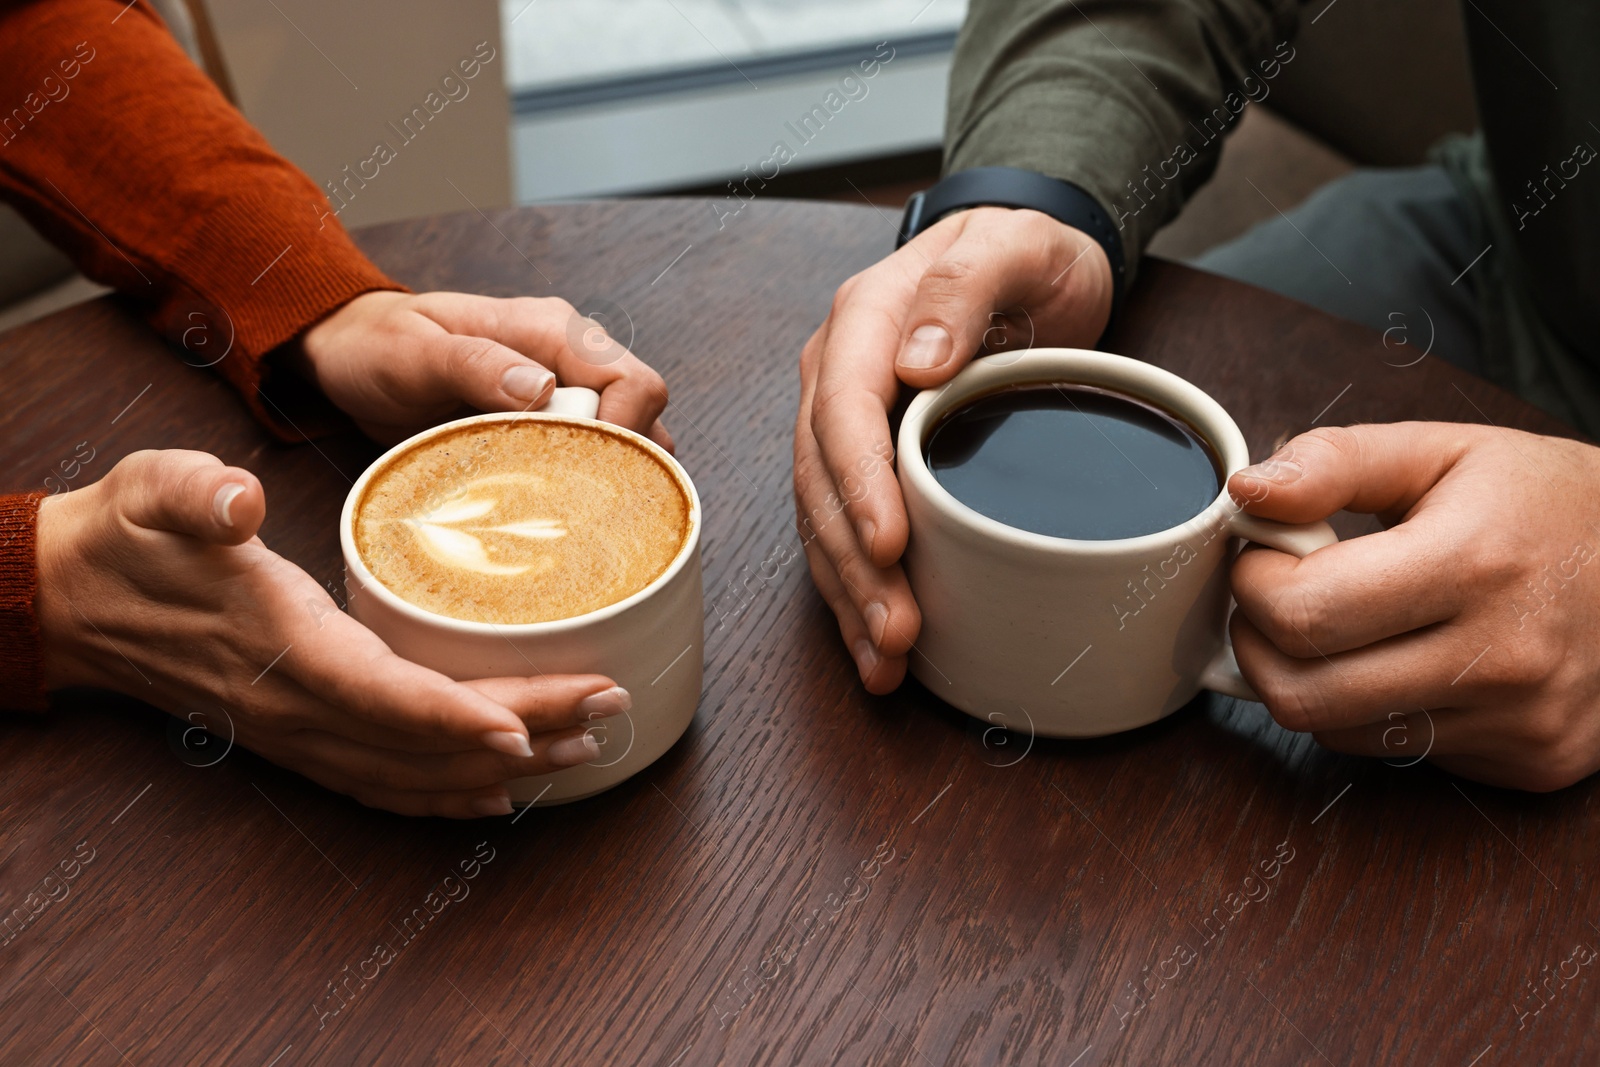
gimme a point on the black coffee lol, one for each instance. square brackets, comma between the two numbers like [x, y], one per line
[1073, 461]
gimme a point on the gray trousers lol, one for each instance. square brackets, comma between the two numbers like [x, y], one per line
[1385, 248]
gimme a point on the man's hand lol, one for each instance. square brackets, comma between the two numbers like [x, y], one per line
[398, 363]
[153, 583]
[1469, 630]
[988, 279]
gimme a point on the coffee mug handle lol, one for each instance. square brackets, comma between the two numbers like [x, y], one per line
[1222, 673]
[573, 400]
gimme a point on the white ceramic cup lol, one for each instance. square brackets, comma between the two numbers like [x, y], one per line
[650, 643]
[1069, 638]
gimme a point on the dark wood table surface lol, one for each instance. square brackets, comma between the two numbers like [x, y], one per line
[813, 874]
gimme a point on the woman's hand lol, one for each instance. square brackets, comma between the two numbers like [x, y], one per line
[398, 363]
[153, 583]
[1468, 631]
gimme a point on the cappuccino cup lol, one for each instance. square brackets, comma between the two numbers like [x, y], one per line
[539, 543]
[1066, 637]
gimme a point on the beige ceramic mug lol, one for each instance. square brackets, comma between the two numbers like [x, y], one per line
[650, 643]
[1069, 638]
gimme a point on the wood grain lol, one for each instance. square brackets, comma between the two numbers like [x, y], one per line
[812, 875]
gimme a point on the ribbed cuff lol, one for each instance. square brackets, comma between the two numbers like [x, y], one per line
[21, 650]
[263, 273]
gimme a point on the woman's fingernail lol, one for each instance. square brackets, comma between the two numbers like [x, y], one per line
[867, 658]
[508, 741]
[866, 533]
[499, 805]
[571, 751]
[928, 346]
[877, 617]
[526, 383]
[222, 503]
[604, 704]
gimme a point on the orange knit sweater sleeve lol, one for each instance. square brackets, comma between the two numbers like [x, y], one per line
[124, 154]
[21, 665]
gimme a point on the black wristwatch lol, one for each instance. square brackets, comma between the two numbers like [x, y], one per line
[1013, 187]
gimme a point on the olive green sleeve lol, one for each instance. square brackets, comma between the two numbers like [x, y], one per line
[1127, 99]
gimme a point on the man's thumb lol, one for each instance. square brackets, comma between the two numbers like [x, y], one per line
[190, 493]
[1370, 469]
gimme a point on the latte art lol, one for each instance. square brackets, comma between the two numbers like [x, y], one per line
[453, 533]
[523, 521]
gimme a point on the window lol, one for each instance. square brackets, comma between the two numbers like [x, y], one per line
[636, 96]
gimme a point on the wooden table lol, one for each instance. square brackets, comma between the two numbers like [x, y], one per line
[1007, 897]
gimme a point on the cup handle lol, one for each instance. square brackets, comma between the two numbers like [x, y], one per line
[573, 400]
[1222, 675]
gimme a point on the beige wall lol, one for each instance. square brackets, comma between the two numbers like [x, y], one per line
[324, 79]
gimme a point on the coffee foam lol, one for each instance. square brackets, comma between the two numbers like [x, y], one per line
[521, 521]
